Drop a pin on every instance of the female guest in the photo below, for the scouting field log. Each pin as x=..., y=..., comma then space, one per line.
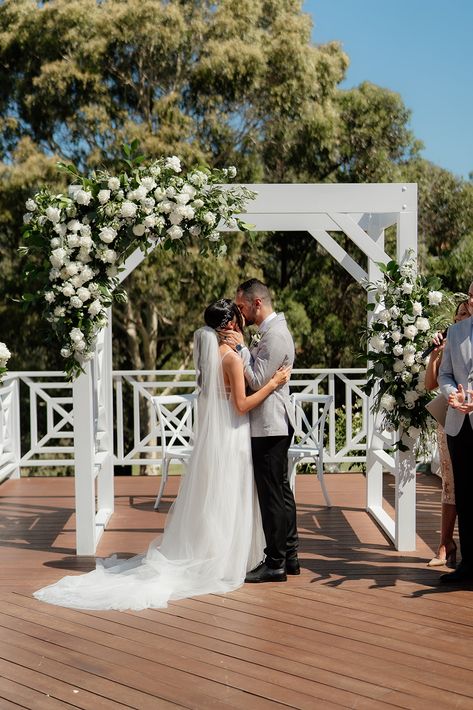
x=447, y=549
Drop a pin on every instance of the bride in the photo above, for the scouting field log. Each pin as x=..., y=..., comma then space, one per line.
x=213, y=532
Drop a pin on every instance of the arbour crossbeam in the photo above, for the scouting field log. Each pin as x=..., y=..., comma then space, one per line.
x=362, y=212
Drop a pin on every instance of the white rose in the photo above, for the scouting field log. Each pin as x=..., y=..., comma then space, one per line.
x=384, y=316
x=198, y=204
x=417, y=308
x=107, y=234
x=214, y=236
x=53, y=214
x=55, y=243
x=76, y=302
x=396, y=336
x=103, y=196
x=174, y=163
x=166, y=206
x=176, y=217
x=49, y=296
x=170, y=191
x=57, y=257
x=416, y=368
x=409, y=359
x=148, y=204
x=31, y=205
x=53, y=274
x=80, y=345
x=377, y=344
x=59, y=311
x=128, y=209
x=66, y=352
x=187, y=211
x=138, y=194
x=83, y=197
x=86, y=243
x=95, y=308
x=73, y=241
x=435, y=298
x=83, y=293
x=182, y=198
x=159, y=194
x=422, y=324
x=76, y=281
x=189, y=189
x=407, y=288
x=406, y=318
x=148, y=183
x=74, y=225
x=110, y=256
x=114, y=183
x=388, y=402
x=198, y=178
x=398, y=350
x=175, y=232
x=398, y=365
x=73, y=190
x=150, y=220
x=410, y=398
x=60, y=229
x=86, y=274
x=76, y=334
x=232, y=171
x=139, y=230
x=410, y=332
x=71, y=269
x=5, y=354
x=406, y=377
x=68, y=290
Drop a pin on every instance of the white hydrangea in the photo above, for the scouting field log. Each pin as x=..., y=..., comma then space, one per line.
x=59, y=311
x=68, y=290
x=49, y=296
x=55, y=243
x=76, y=302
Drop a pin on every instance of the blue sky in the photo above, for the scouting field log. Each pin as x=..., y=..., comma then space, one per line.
x=422, y=49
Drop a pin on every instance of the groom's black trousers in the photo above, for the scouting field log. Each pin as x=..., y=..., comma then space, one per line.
x=278, y=508
x=461, y=454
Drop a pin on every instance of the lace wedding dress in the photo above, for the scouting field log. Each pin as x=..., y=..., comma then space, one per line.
x=213, y=532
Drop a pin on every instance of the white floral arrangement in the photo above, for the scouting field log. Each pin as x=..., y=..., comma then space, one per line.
x=406, y=316
x=82, y=237
x=5, y=355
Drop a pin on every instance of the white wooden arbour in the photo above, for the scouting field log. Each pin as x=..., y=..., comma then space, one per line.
x=362, y=212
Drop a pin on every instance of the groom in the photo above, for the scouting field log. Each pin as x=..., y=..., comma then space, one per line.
x=271, y=429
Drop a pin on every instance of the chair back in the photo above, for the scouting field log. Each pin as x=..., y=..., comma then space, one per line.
x=176, y=418
x=310, y=414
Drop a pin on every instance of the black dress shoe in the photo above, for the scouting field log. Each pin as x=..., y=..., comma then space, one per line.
x=461, y=575
x=263, y=573
x=293, y=566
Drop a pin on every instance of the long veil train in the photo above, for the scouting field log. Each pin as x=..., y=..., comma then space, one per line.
x=213, y=532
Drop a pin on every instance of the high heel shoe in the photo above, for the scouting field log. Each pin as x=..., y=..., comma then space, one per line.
x=450, y=560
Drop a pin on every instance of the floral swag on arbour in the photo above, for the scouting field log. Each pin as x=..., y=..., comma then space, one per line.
x=82, y=238
x=407, y=315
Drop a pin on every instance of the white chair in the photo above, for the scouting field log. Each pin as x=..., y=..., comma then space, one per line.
x=176, y=417
x=310, y=414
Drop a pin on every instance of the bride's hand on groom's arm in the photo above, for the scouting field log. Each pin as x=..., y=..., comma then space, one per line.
x=281, y=376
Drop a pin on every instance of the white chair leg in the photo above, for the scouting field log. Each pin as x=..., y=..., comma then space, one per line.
x=292, y=475
x=164, y=478
x=320, y=476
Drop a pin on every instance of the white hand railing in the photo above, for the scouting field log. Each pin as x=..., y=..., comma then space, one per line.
x=48, y=431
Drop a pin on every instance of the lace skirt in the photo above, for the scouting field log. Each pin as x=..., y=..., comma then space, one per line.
x=448, y=489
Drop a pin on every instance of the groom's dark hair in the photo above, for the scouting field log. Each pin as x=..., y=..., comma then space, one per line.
x=220, y=313
x=254, y=288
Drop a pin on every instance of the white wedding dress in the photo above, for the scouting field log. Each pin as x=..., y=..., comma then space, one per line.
x=213, y=533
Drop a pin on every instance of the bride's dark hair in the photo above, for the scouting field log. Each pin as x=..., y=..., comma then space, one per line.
x=219, y=314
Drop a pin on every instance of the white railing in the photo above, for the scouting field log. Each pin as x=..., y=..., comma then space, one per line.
x=48, y=431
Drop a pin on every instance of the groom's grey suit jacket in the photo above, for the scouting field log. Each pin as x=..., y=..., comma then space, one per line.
x=456, y=368
x=274, y=349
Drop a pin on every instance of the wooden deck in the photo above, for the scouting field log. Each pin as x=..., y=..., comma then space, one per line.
x=363, y=626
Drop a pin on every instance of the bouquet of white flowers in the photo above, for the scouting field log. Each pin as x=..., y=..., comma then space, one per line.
x=4, y=357
x=406, y=316
x=83, y=236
